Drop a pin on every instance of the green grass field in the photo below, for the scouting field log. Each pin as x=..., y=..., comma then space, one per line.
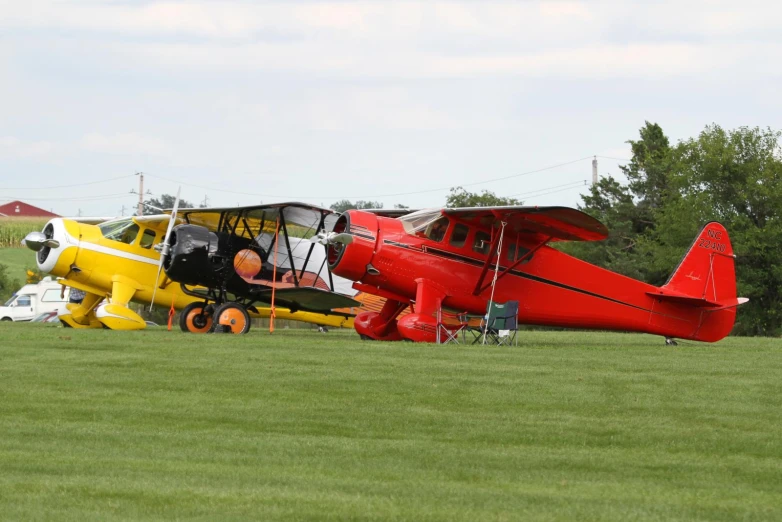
x=17, y=260
x=102, y=425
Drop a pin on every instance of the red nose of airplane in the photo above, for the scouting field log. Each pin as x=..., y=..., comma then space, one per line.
x=351, y=259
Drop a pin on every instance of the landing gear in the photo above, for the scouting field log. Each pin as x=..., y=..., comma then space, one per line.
x=323, y=329
x=196, y=318
x=670, y=342
x=231, y=317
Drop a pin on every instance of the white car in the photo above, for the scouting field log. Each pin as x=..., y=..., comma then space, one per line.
x=32, y=300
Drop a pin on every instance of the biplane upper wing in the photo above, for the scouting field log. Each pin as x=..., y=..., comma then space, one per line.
x=390, y=212
x=300, y=219
x=555, y=223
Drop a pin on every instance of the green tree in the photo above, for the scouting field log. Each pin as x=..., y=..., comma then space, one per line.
x=344, y=204
x=648, y=170
x=459, y=197
x=734, y=177
x=630, y=211
x=7, y=285
x=612, y=203
x=164, y=202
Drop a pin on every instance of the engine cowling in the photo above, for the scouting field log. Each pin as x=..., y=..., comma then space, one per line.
x=194, y=258
x=352, y=261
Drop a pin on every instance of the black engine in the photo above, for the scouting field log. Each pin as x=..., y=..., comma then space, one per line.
x=203, y=258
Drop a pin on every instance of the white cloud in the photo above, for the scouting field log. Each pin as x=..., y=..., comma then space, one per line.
x=128, y=143
x=12, y=147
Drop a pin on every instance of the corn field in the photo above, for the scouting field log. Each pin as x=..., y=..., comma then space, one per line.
x=13, y=229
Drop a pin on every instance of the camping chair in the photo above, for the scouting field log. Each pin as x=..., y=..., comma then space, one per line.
x=500, y=324
x=450, y=326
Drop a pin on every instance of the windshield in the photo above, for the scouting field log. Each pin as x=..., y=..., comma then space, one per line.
x=417, y=222
x=11, y=300
x=123, y=230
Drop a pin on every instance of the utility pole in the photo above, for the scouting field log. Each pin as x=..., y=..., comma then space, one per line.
x=594, y=171
x=140, y=193
x=205, y=202
x=122, y=211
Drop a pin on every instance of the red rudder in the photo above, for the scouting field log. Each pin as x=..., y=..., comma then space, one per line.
x=706, y=279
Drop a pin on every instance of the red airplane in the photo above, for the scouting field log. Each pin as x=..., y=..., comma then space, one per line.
x=448, y=258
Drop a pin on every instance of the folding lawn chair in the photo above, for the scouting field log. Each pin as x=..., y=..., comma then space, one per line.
x=500, y=324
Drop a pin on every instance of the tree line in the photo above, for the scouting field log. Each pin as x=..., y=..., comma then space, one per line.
x=730, y=176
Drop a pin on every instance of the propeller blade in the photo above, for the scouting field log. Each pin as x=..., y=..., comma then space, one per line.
x=318, y=238
x=332, y=238
x=166, y=246
x=35, y=241
x=343, y=238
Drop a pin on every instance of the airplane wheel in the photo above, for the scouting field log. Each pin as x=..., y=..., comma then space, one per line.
x=195, y=319
x=232, y=316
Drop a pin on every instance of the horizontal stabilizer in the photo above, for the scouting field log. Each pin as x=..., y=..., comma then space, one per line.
x=698, y=302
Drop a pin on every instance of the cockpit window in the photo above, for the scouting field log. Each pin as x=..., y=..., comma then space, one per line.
x=418, y=222
x=436, y=231
x=515, y=253
x=481, y=243
x=459, y=235
x=124, y=231
x=147, y=238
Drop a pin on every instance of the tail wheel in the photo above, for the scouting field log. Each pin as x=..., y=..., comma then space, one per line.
x=195, y=319
x=232, y=317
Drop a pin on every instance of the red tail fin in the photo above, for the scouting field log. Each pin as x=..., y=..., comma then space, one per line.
x=706, y=278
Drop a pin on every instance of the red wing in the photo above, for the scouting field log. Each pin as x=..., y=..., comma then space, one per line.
x=560, y=223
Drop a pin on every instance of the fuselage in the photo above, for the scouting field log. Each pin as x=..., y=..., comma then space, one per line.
x=93, y=258
x=90, y=257
x=399, y=260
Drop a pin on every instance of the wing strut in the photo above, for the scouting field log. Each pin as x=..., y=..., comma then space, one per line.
x=288, y=246
x=274, y=274
x=479, y=288
x=309, y=252
x=486, y=265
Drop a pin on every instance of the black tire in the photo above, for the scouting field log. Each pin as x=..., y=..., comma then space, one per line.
x=5, y=319
x=235, y=314
x=195, y=318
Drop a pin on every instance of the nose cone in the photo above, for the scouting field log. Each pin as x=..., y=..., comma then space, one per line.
x=35, y=241
x=55, y=246
x=352, y=244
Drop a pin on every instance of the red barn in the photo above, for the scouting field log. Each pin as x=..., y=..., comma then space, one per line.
x=22, y=209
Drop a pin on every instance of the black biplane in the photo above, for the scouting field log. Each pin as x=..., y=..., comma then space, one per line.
x=243, y=256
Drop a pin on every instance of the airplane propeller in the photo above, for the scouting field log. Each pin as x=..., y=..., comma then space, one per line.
x=332, y=238
x=166, y=246
x=35, y=241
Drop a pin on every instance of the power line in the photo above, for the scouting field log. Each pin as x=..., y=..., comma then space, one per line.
x=67, y=186
x=554, y=192
x=82, y=198
x=321, y=197
x=572, y=184
x=613, y=158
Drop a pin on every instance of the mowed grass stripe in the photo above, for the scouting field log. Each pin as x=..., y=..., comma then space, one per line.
x=302, y=426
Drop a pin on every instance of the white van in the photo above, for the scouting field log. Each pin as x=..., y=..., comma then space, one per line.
x=33, y=300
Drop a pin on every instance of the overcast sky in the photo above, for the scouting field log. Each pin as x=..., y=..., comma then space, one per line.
x=391, y=101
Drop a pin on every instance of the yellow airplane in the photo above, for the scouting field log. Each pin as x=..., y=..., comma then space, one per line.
x=115, y=261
